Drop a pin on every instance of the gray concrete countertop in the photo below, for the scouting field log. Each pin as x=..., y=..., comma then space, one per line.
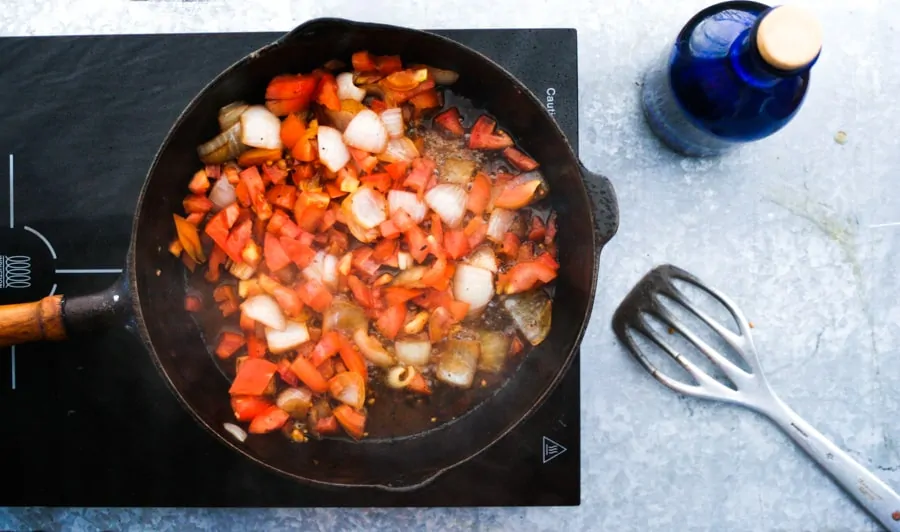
x=803, y=232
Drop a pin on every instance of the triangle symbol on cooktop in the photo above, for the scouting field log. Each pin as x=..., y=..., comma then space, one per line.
x=551, y=449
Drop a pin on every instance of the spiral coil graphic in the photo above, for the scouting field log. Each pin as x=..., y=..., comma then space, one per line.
x=15, y=271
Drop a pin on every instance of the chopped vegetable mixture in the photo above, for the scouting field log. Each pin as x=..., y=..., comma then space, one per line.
x=354, y=228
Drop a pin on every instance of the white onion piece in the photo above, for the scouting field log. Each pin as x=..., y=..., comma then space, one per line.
x=494, y=347
x=367, y=207
x=484, y=257
x=474, y=286
x=231, y=114
x=409, y=202
x=499, y=223
x=235, y=431
x=449, y=201
x=458, y=363
x=264, y=309
x=372, y=349
x=332, y=151
x=393, y=122
x=413, y=352
x=324, y=269
x=399, y=377
x=224, y=147
x=260, y=128
x=404, y=260
x=293, y=335
x=347, y=90
x=401, y=149
x=295, y=401
x=222, y=194
x=366, y=132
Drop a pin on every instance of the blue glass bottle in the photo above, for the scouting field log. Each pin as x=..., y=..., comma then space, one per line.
x=738, y=72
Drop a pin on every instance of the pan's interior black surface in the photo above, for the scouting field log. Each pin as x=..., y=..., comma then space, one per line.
x=84, y=118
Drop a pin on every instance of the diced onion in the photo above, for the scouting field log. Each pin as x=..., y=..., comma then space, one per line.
x=295, y=401
x=494, y=347
x=264, y=309
x=499, y=223
x=411, y=277
x=404, y=260
x=231, y=114
x=458, y=363
x=413, y=352
x=399, y=377
x=260, y=128
x=449, y=201
x=238, y=433
x=323, y=269
x=399, y=150
x=409, y=202
x=367, y=207
x=366, y=132
x=332, y=151
x=222, y=194
x=393, y=121
x=474, y=286
x=344, y=316
x=372, y=349
x=347, y=90
x=224, y=147
x=293, y=335
x=484, y=257
x=242, y=270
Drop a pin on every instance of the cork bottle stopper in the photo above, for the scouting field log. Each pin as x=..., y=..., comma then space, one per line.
x=789, y=37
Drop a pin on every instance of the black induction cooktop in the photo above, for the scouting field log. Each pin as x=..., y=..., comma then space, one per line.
x=90, y=422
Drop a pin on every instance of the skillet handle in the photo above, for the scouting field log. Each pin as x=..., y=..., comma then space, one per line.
x=605, y=204
x=32, y=322
x=58, y=317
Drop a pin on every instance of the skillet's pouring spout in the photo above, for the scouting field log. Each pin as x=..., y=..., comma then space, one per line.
x=749, y=389
x=57, y=317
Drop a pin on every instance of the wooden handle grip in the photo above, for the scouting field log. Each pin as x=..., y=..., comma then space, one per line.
x=32, y=322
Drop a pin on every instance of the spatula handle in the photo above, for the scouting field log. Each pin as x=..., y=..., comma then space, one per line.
x=868, y=490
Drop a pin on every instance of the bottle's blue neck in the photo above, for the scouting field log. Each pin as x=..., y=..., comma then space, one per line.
x=751, y=67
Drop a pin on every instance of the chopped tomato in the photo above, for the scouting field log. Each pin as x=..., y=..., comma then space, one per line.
x=272, y=418
x=417, y=241
x=439, y=324
x=547, y=260
x=418, y=384
x=327, y=347
x=426, y=100
x=483, y=136
x=256, y=346
x=365, y=160
x=524, y=276
x=274, y=175
x=516, y=346
x=237, y=240
x=402, y=220
x=421, y=174
x=458, y=309
x=200, y=182
x=326, y=425
x=292, y=130
x=315, y=295
x=304, y=151
x=283, y=196
x=281, y=224
x=284, y=371
x=391, y=321
x=195, y=218
x=361, y=292
x=363, y=261
x=326, y=93
x=286, y=107
x=352, y=358
x=456, y=243
x=257, y=191
x=538, y=230
x=242, y=194
x=298, y=252
x=517, y=196
x=197, y=203
x=397, y=170
x=398, y=97
x=255, y=156
x=363, y=61
x=433, y=299
x=247, y=407
x=292, y=87
x=253, y=378
x=450, y=121
x=309, y=375
x=275, y=256
x=526, y=251
x=398, y=295
x=479, y=194
x=380, y=181
x=510, y=245
x=349, y=388
x=438, y=275
x=352, y=421
x=389, y=229
x=384, y=250
x=519, y=159
x=193, y=304
x=388, y=64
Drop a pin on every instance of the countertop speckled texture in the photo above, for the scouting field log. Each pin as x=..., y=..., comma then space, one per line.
x=796, y=228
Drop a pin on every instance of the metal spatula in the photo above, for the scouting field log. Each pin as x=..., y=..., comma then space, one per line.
x=750, y=388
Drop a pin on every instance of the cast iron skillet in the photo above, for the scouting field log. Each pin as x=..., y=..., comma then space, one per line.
x=149, y=297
